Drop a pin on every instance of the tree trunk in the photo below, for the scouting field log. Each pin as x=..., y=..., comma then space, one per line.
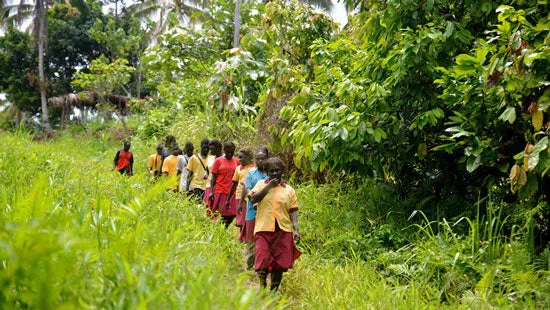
x=237, y=35
x=42, y=84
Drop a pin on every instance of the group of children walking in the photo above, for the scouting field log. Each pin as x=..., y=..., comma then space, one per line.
x=248, y=188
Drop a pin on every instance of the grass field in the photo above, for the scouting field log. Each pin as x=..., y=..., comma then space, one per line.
x=74, y=234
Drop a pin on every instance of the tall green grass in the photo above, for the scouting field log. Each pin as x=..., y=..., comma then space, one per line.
x=74, y=234
x=357, y=258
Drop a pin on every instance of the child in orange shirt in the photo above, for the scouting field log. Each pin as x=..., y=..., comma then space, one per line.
x=169, y=167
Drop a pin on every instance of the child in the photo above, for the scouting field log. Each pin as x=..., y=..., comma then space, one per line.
x=198, y=173
x=154, y=164
x=169, y=167
x=222, y=178
x=215, y=152
x=182, y=166
x=239, y=177
x=124, y=160
x=276, y=220
x=252, y=178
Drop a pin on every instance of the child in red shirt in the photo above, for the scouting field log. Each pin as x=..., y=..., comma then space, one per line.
x=124, y=160
x=222, y=179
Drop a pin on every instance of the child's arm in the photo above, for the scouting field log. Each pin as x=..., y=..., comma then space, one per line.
x=212, y=186
x=131, y=164
x=116, y=160
x=242, y=204
x=231, y=192
x=294, y=218
x=259, y=196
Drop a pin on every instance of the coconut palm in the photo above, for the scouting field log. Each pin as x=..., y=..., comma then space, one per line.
x=160, y=9
x=41, y=37
x=14, y=13
x=19, y=12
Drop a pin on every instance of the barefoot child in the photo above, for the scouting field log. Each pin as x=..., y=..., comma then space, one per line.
x=276, y=220
x=252, y=177
x=222, y=178
x=239, y=177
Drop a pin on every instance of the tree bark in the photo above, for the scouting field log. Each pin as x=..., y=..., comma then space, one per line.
x=237, y=34
x=42, y=15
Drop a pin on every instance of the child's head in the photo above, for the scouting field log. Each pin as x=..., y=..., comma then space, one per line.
x=245, y=156
x=205, y=146
x=175, y=150
x=189, y=148
x=229, y=149
x=215, y=147
x=126, y=145
x=170, y=140
x=274, y=167
x=261, y=155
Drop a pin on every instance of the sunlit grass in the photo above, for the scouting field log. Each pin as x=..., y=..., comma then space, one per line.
x=75, y=234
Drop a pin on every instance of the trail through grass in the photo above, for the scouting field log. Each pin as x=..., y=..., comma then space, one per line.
x=74, y=234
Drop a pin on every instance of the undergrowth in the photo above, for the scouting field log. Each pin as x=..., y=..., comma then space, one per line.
x=75, y=234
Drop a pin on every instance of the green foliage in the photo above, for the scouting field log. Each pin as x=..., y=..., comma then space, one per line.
x=18, y=76
x=503, y=83
x=75, y=234
x=236, y=81
x=105, y=77
x=156, y=124
x=69, y=45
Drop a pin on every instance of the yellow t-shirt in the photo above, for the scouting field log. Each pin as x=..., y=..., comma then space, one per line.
x=210, y=162
x=240, y=177
x=276, y=205
x=170, y=166
x=155, y=163
x=196, y=167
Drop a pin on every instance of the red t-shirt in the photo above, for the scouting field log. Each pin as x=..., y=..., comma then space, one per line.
x=123, y=159
x=224, y=169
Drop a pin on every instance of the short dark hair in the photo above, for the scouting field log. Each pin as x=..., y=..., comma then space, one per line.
x=274, y=162
x=216, y=143
x=170, y=139
x=205, y=142
x=263, y=150
x=229, y=144
x=247, y=153
x=189, y=146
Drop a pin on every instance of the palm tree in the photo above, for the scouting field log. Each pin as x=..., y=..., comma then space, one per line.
x=14, y=14
x=41, y=37
x=160, y=9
